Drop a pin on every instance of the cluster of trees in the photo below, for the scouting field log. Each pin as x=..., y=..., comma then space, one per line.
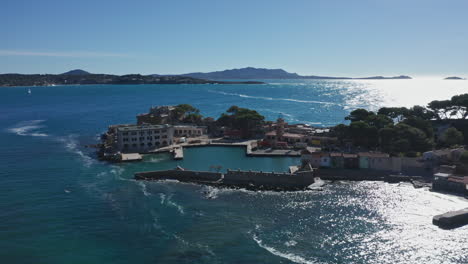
x=456, y=107
x=188, y=114
x=248, y=121
x=401, y=130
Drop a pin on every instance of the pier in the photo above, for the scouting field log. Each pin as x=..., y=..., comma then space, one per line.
x=451, y=220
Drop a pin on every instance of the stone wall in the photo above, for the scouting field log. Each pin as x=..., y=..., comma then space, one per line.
x=269, y=180
x=181, y=175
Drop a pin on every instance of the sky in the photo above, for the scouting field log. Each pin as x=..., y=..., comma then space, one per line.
x=310, y=37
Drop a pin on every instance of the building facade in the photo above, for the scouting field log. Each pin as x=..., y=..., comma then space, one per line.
x=143, y=138
x=189, y=131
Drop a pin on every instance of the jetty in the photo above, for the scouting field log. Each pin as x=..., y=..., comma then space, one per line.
x=252, y=180
x=451, y=220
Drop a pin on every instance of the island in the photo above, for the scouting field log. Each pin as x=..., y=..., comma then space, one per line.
x=80, y=77
x=454, y=78
x=261, y=73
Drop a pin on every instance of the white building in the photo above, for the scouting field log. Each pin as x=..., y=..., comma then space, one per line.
x=143, y=138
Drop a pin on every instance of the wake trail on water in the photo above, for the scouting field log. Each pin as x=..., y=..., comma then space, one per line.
x=273, y=99
x=28, y=128
x=288, y=256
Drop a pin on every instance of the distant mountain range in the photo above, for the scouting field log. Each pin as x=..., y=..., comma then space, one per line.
x=79, y=77
x=259, y=73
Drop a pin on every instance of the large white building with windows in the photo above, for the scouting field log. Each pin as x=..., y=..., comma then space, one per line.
x=143, y=138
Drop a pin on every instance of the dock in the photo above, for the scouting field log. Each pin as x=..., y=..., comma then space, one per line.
x=451, y=220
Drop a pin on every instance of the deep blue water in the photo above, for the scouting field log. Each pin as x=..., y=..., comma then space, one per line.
x=60, y=205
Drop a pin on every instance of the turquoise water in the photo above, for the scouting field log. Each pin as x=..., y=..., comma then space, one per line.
x=60, y=205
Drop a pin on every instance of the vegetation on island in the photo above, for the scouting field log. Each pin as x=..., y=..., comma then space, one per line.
x=77, y=77
x=407, y=131
x=247, y=121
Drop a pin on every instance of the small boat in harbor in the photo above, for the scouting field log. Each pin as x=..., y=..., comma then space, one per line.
x=29, y=91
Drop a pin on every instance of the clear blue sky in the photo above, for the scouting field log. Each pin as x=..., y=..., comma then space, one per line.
x=324, y=37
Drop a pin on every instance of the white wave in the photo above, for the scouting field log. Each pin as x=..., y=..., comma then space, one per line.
x=72, y=145
x=163, y=197
x=274, y=99
x=174, y=204
x=290, y=243
x=143, y=188
x=28, y=128
x=289, y=256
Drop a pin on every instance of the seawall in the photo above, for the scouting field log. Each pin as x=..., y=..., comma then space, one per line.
x=254, y=180
x=452, y=219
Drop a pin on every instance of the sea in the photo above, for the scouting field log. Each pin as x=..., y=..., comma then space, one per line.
x=59, y=204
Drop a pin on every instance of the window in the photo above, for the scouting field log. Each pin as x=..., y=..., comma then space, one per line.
x=164, y=136
x=142, y=144
x=150, y=144
x=134, y=145
x=149, y=138
x=125, y=133
x=142, y=138
x=134, y=139
x=125, y=146
x=156, y=137
x=150, y=132
x=164, y=130
x=134, y=133
x=156, y=131
x=125, y=140
x=142, y=133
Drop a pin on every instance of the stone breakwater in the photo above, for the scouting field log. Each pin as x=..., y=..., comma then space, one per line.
x=253, y=180
x=452, y=219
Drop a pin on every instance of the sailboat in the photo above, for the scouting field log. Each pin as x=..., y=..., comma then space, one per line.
x=29, y=91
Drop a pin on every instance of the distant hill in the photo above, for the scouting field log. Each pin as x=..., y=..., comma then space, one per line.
x=78, y=79
x=261, y=73
x=76, y=72
x=454, y=78
x=245, y=73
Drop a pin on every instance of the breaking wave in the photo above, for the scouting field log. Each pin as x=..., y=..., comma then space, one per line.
x=28, y=128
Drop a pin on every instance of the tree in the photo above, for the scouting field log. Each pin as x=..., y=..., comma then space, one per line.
x=441, y=109
x=359, y=115
x=363, y=135
x=378, y=121
x=420, y=112
x=460, y=105
x=247, y=120
x=452, y=137
x=422, y=124
x=183, y=110
x=395, y=113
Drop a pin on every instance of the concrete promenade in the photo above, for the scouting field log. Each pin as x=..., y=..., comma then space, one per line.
x=177, y=149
